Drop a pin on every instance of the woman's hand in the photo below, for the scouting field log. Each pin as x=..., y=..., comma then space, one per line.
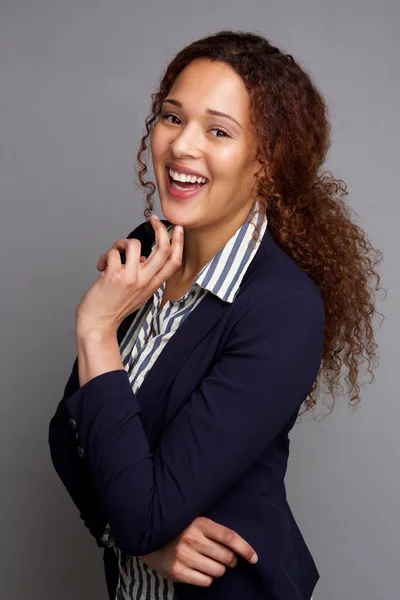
x=200, y=553
x=122, y=289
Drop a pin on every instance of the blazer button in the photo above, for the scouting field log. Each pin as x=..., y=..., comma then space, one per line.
x=81, y=451
x=73, y=423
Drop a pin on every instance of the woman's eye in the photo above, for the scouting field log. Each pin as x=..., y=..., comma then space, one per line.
x=226, y=134
x=222, y=130
x=169, y=115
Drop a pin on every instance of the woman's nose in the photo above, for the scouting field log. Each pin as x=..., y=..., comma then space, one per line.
x=187, y=142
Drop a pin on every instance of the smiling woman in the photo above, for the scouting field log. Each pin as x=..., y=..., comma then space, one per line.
x=198, y=346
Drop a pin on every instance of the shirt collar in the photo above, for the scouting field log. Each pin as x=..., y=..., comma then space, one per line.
x=223, y=274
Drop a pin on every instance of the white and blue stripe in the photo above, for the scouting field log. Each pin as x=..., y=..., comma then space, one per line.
x=143, y=343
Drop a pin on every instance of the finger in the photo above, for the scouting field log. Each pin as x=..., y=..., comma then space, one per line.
x=119, y=245
x=185, y=574
x=132, y=255
x=174, y=261
x=113, y=260
x=177, y=245
x=228, y=537
x=160, y=254
x=192, y=558
x=216, y=551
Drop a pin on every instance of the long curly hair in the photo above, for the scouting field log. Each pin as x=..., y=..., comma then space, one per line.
x=307, y=214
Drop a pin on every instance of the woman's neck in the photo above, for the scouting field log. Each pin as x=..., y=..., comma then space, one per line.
x=201, y=245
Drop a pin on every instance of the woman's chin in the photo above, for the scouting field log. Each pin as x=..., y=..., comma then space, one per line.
x=178, y=215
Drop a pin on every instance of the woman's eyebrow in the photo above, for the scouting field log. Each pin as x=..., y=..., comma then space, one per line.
x=209, y=111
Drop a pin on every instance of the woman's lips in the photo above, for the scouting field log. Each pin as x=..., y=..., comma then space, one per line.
x=181, y=194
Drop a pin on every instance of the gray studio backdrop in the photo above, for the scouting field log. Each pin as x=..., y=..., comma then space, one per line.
x=76, y=80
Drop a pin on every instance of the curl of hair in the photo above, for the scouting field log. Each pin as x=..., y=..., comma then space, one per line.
x=307, y=214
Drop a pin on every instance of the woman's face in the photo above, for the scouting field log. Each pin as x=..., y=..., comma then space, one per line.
x=214, y=146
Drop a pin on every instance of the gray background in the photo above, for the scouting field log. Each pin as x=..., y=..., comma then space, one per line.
x=76, y=79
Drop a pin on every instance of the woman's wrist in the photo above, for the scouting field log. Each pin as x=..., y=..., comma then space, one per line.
x=98, y=353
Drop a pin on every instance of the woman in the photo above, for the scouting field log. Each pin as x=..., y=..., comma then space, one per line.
x=206, y=332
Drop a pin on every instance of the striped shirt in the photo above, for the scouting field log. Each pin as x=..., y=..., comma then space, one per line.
x=143, y=343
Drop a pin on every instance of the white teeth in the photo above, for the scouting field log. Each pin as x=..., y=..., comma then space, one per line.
x=186, y=178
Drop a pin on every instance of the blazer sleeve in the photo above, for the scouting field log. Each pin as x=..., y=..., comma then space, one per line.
x=69, y=466
x=262, y=376
x=62, y=438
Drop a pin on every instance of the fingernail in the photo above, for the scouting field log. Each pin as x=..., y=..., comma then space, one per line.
x=254, y=558
x=179, y=228
x=155, y=216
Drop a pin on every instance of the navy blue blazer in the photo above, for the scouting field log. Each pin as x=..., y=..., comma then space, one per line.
x=207, y=432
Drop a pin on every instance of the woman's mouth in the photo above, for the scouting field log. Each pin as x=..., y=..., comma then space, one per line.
x=180, y=189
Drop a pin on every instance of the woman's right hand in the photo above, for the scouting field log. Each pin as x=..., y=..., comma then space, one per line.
x=123, y=288
x=200, y=553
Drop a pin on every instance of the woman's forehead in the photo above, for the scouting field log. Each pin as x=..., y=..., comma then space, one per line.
x=205, y=85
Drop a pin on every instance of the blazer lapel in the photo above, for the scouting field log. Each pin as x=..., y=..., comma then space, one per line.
x=195, y=327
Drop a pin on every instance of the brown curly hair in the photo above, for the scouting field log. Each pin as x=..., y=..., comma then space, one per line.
x=307, y=215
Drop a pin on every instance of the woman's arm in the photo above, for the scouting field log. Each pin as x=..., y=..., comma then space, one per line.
x=70, y=467
x=264, y=373
x=197, y=555
x=63, y=441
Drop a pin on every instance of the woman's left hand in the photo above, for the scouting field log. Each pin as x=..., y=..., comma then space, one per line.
x=122, y=289
x=200, y=553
